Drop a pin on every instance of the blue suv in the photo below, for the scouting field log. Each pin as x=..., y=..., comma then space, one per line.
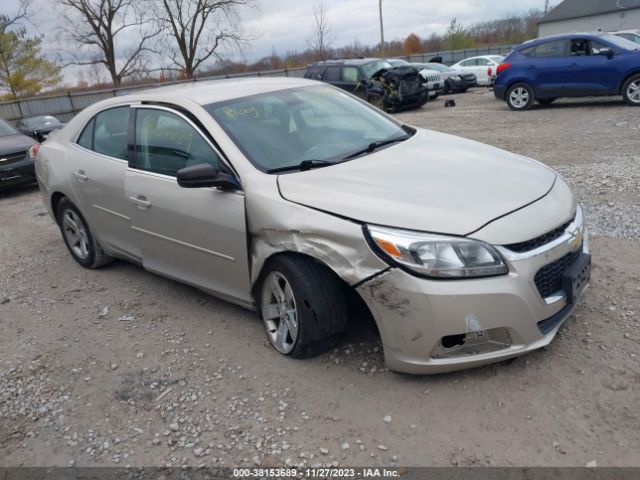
x=572, y=65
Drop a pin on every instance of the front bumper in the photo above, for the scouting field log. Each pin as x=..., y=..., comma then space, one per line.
x=18, y=173
x=499, y=318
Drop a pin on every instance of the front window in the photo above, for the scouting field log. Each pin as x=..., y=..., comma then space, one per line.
x=371, y=68
x=166, y=143
x=6, y=129
x=315, y=124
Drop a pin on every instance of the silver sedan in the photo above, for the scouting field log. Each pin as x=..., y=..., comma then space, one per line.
x=298, y=200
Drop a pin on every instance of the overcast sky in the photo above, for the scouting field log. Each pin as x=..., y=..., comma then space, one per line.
x=285, y=24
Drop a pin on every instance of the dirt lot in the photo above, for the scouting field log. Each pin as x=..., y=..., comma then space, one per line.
x=120, y=366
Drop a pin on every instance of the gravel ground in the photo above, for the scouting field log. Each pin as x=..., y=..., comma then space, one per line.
x=122, y=367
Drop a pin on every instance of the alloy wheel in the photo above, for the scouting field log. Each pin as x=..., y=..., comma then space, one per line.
x=633, y=91
x=279, y=312
x=519, y=97
x=75, y=234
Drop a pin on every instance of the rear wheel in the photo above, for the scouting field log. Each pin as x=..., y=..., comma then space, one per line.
x=520, y=97
x=545, y=101
x=631, y=91
x=77, y=236
x=303, y=306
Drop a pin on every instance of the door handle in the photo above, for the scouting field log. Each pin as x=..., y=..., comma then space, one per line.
x=141, y=201
x=80, y=176
x=531, y=67
x=573, y=65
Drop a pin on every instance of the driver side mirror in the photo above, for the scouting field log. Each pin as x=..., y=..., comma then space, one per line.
x=205, y=175
x=607, y=52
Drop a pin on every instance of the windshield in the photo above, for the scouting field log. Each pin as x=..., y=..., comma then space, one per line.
x=397, y=62
x=497, y=58
x=285, y=128
x=6, y=129
x=632, y=37
x=373, y=67
x=620, y=42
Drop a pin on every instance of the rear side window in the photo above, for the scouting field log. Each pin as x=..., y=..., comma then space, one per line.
x=333, y=74
x=350, y=74
x=166, y=143
x=111, y=132
x=86, y=138
x=469, y=63
x=556, y=48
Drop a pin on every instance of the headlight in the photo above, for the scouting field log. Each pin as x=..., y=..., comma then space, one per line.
x=437, y=256
x=455, y=78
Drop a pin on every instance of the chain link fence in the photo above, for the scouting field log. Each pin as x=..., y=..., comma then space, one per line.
x=66, y=106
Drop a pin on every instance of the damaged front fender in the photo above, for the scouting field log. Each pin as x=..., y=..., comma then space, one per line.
x=279, y=226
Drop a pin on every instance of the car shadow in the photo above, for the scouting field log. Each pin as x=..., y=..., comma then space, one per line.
x=17, y=191
x=577, y=104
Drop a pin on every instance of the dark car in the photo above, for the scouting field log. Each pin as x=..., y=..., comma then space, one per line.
x=571, y=65
x=16, y=166
x=374, y=80
x=455, y=81
x=39, y=127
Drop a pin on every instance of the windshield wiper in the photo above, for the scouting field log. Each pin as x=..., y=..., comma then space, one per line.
x=302, y=166
x=372, y=147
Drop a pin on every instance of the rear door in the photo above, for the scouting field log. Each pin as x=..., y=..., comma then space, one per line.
x=197, y=236
x=97, y=163
x=546, y=66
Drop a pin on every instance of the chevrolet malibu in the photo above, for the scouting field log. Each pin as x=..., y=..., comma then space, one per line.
x=299, y=201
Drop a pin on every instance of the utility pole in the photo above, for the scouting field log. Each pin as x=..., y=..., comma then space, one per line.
x=381, y=29
x=546, y=6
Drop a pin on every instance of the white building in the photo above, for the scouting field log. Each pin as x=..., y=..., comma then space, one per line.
x=590, y=16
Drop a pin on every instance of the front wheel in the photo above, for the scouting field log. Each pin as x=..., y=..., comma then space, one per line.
x=376, y=101
x=303, y=306
x=78, y=238
x=520, y=97
x=631, y=91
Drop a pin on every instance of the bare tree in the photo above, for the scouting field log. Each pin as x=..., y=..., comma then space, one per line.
x=198, y=30
x=321, y=40
x=114, y=33
x=14, y=22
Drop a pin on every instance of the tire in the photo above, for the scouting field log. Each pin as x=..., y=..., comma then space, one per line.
x=631, y=91
x=376, y=101
x=520, y=97
x=77, y=236
x=545, y=101
x=320, y=311
x=446, y=89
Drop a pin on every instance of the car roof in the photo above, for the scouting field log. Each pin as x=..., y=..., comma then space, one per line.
x=562, y=36
x=213, y=91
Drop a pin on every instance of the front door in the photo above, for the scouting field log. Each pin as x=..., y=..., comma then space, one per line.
x=590, y=72
x=197, y=236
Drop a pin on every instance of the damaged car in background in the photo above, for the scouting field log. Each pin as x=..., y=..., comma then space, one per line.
x=304, y=203
x=376, y=81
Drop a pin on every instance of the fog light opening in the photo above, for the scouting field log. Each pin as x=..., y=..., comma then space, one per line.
x=453, y=341
x=473, y=343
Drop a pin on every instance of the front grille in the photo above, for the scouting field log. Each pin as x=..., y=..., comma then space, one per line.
x=12, y=158
x=541, y=240
x=549, y=278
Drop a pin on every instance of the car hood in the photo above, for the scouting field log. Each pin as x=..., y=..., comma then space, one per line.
x=432, y=182
x=15, y=143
